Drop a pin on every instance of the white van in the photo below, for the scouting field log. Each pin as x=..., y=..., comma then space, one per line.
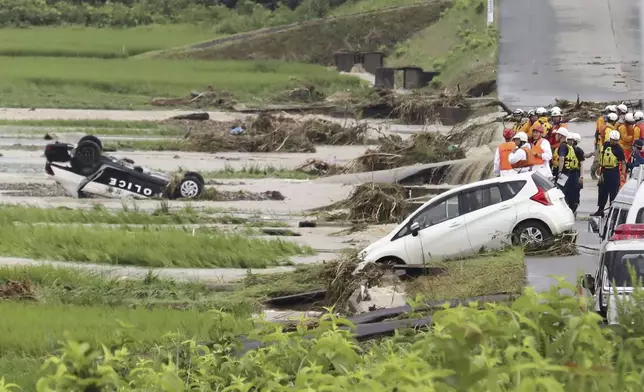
x=628, y=207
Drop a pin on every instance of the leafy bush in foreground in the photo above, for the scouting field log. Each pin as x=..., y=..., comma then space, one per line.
x=541, y=342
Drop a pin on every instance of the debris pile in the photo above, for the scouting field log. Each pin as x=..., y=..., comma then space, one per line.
x=241, y=195
x=560, y=245
x=205, y=99
x=375, y=203
x=317, y=167
x=13, y=289
x=266, y=133
x=393, y=152
x=587, y=111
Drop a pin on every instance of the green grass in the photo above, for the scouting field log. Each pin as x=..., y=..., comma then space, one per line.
x=502, y=272
x=466, y=54
x=132, y=83
x=80, y=41
x=99, y=214
x=257, y=172
x=145, y=246
x=353, y=7
x=110, y=124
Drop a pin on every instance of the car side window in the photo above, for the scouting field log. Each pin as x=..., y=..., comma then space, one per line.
x=511, y=188
x=612, y=222
x=480, y=198
x=640, y=216
x=621, y=218
x=443, y=211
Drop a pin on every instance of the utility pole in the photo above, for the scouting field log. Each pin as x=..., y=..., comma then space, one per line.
x=490, y=12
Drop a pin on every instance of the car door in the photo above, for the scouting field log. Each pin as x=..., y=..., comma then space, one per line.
x=442, y=232
x=489, y=218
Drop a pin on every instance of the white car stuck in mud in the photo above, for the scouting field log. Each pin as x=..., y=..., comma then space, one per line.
x=82, y=170
x=526, y=209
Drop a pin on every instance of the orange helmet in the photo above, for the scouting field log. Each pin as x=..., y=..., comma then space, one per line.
x=508, y=134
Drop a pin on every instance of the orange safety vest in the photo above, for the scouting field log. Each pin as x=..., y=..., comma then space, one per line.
x=601, y=128
x=626, y=132
x=536, y=147
x=637, y=131
x=525, y=162
x=504, y=153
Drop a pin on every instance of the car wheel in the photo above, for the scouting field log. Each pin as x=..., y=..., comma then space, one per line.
x=197, y=175
x=190, y=187
x=92, y=138
x=87, y=157
x=531, y=233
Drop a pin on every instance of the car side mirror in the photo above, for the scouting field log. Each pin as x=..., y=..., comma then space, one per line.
x=594, y=223
x=415, y=228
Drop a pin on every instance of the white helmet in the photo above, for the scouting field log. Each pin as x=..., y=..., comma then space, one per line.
x=531, y=113
x=554, y=108
x=541, y=111
x=614, y=135
x=555, y=112
x=612, y=116
x=521, y=136
x=629, y=118
x=518, y=112
x=623, y=109
x=576, y=137
x=638, y=116
x=562, y=131
x=611, y=109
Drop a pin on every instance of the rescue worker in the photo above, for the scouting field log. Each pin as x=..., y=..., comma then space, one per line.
x=561, y=135
x=556, y=116
x=567, y=177
x=611, y=155
x=502, y=166
x=542, y=114
x=518, y=116
x=622, y=109
x=610, y=124
x=541, y=152
x=527, y=127
x=521, y=157
x=600, y=135
x=581, y=156
x=626, y=138
x=639, y=125
x=637, y=157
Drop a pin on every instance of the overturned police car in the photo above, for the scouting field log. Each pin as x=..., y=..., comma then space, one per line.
x=83, y=171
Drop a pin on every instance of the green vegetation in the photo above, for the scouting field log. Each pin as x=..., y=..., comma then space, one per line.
x=317, y=40
x=541, y=341
x=112, y=84
x=77, y=41
x=258, y=172
x=499, y=273
x=466, y=54
x=357, y=6
x=147, y=246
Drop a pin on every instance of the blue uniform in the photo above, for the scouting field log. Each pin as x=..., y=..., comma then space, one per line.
x=571, y=189
x=610, y=181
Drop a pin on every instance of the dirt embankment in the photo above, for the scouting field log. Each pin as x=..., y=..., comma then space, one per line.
x=316, y=41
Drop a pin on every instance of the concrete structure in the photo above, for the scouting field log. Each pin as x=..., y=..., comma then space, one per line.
x=413, y=77
x=344, y=61
x=371, y=61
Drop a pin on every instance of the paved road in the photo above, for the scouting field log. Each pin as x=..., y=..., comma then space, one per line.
x=558, y=48
x=539, y=269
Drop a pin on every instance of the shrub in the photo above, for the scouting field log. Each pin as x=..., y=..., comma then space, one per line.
x=539, y=342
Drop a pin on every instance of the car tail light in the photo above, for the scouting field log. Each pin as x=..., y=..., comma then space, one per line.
x=48, y=169
x=541, y=197
x=628, y=232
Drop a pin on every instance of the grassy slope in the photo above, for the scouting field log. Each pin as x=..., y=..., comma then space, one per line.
x=466, y=53
x=80, y=41
x=316, y=41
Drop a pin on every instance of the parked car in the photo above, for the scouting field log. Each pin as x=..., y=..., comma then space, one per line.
x=612, y=282
x=526, y=209
x=84, y=170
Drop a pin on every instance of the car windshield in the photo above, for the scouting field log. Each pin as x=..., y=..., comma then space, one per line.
x=618, y=263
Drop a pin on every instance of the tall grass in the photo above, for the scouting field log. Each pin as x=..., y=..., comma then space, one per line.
x=32, y=329
x=80, y=41
x=131, y=83
x=147, y=246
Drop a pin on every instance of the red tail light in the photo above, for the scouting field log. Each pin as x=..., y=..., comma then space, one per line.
x=541, y=197
x=628, y=232
x=48, y=169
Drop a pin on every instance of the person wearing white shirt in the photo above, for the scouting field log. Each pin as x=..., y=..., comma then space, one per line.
x=541, y=152
x=521, y=157
x=502, y=166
